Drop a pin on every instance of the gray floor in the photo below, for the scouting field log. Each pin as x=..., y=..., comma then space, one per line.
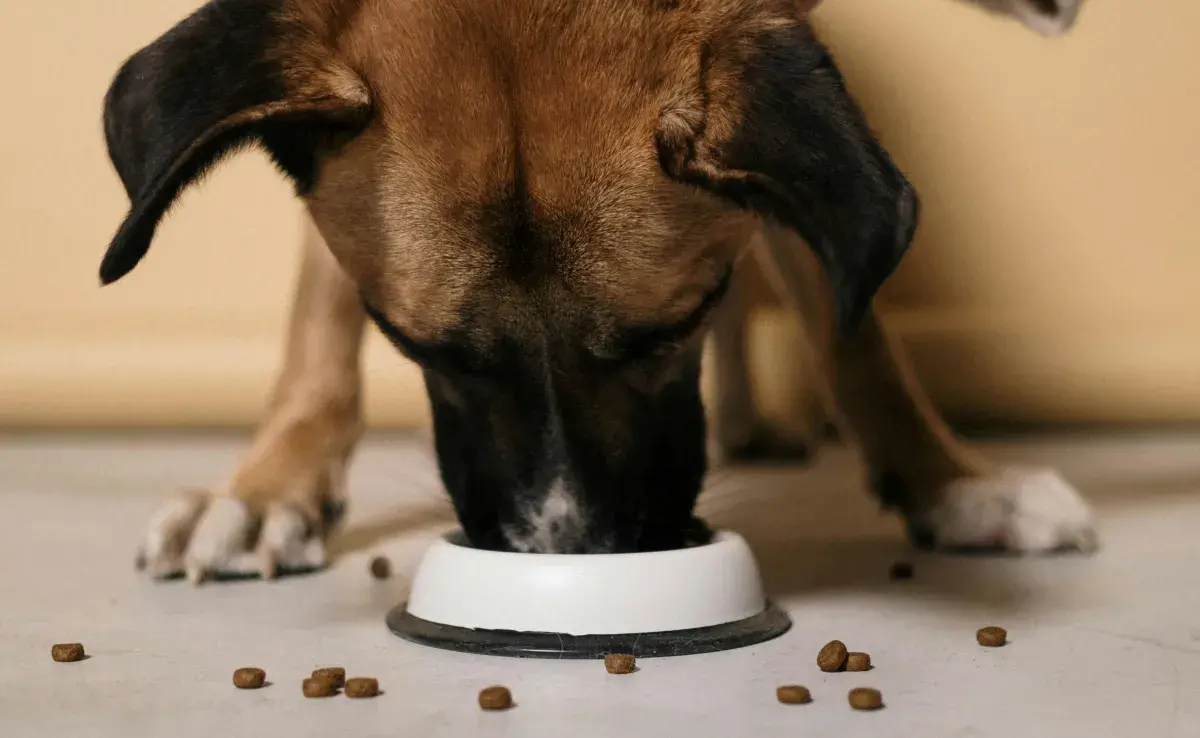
x=1101, y=646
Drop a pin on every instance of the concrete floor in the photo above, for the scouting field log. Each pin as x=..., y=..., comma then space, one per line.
x=1100, y=646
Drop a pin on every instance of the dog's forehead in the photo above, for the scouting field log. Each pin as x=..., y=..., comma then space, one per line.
x=524, y=157
x=486, y=235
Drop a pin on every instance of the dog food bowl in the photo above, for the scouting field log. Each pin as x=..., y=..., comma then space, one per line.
x=700, y=599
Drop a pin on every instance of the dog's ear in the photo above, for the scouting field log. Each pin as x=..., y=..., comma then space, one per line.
x=772, y=128
x=235, y=72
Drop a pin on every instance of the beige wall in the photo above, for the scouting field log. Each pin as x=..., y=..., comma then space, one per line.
x=1057, y=274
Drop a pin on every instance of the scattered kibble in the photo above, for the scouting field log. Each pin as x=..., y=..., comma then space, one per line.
x=793, y=694
x=865, y=698
x=832, y=657
x=620, y=663
x=360, y=688
x=991, y=636
x=67, y=652
x=858, y=661
x=335, y=674
x=901, y=570
x=249, y=677
x=381, y=567
x=495, y=698
x=314, y=687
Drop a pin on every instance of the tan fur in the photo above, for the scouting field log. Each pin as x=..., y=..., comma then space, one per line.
x=439, y=153
x=466, y=96
x=314, y=417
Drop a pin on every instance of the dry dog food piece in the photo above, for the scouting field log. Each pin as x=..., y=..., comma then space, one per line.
x=858, y=661
x=793, y=694
x=832, y=656
x=362, y=687
x=495, y=698
x=865, y=698
x=620, y=663
x=991, y=636
x=335, y=674
x=67, y=652
x=249, y=678
x=318, y=687
x=901, y=570
x=381, y=568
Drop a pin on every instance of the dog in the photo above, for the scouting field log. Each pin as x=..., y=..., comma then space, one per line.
x=545, y=205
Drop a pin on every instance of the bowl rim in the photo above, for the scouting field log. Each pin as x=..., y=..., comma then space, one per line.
x=456, y=538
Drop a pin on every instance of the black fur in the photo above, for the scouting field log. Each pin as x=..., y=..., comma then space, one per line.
x=893, y=495
x=503, y=442
x=164, y=114
x=805, y=157
x=512, y=420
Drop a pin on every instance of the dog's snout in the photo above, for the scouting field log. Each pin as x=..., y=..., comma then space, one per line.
x=554, y=519
x=566, y=460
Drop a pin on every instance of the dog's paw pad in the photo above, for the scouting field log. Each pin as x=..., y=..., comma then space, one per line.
x=1017, y=511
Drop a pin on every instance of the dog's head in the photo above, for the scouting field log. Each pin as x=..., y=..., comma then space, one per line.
x=542, y=203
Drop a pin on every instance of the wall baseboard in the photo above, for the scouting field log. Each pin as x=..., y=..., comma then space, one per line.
x=976, y=369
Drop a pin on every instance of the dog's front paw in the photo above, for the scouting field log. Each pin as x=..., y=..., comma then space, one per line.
x=1018, y=511
x=204, y=536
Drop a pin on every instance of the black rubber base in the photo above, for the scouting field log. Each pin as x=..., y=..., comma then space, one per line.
x=770, y=623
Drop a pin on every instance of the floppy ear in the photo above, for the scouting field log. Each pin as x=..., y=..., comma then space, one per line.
x=235, y=72
x=773, y=129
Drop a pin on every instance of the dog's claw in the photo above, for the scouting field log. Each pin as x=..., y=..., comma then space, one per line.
x=267, y=565
x=196, y=575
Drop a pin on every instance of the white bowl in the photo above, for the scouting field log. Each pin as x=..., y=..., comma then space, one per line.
x=459, y=591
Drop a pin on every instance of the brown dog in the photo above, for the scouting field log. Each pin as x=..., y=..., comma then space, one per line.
x=543, y=203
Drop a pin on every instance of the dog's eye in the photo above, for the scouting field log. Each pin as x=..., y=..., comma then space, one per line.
x=638, y=343
x=448, y=357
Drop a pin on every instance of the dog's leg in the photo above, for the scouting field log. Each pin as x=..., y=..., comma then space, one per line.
x=287, y=491
x=742, y=433
x=950, y=496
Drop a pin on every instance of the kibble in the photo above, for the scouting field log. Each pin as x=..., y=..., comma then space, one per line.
x=991, y=636
x=381, y=568
x=620, y=663
x=793, y=694
x=360, y=688
x=335, y=674
x=858, y=661
x=495, y=698
x=249, y=677
x=865, y=698
x=314, y=687
x=901, y=570
x=67, y=652
x=832, y=657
